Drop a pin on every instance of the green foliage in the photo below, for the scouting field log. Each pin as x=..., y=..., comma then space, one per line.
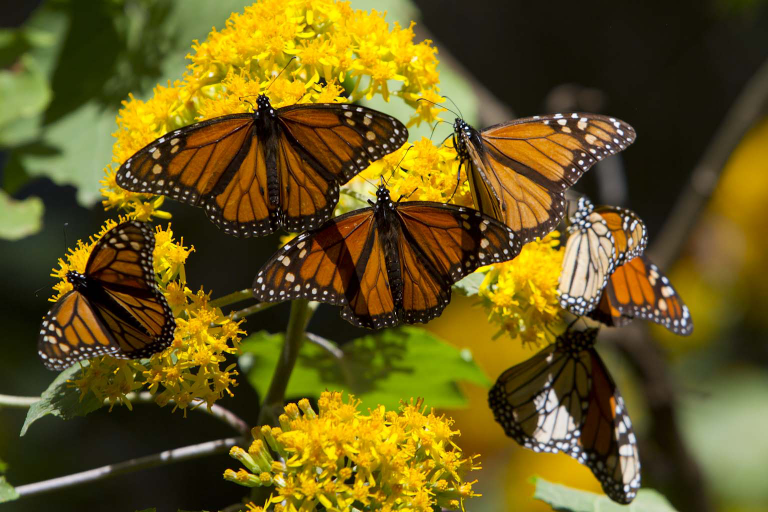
x=19, y=218
x=379, y=369
x=470, y=285
x=61, y=400
x=724, y=421
x=7, y=492
x=88, y=57
x=568, y=499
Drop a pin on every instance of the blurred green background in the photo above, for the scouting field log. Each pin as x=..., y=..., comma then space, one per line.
x=672, y=70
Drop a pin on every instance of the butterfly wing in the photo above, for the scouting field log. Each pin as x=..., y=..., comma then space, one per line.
x=323, y=146
x=526, y=165
x=607, y=442
x=71, y=332
x=341, y=263
x=629, y=233
x=438, y=244
x=540, y=402
x=563, y=399
x=587, y=263
x=639, y=289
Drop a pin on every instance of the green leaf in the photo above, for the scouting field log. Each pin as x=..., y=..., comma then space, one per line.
x=561, y=497
x=384, y=368
x=24, y=93
x=19, y=218
x=61, y=400
x=74, y=150
x=7, y=492
x=470, y=285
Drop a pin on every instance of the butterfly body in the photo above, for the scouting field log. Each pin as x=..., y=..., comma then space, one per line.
x=518, y=171
x=275, y=168
x=390, y=263
x=564, y=400
x=114, y=307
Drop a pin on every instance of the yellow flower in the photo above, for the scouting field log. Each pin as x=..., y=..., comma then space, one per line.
x=383, y=460
x=521, y=295
x=339, y=55
x=188, y=372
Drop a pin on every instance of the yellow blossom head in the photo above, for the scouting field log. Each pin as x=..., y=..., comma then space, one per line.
x=339, y=456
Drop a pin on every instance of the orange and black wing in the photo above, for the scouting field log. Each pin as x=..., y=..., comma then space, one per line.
x=519, y=170
x=629, y=233
x=218, y=165
x=639, y=289
x=588, y=261
x=120, y=312
x=323, y=146
x=71, y=332
x=342, y=263
x=563, y=399
x=438, y=244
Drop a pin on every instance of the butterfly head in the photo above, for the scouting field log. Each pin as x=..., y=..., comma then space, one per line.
x=76, y=278
x=461, y=133
x=383, y=198
x=264, y=106
x=577, y=341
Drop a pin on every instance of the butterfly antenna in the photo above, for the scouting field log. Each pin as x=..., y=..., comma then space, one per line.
x=455, y=105
x=394, y=169
x=64, y=229
x=439, y=105
x=280, y=73
x=39, y=290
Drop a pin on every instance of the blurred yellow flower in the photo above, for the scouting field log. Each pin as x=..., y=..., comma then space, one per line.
x=189, y=372
x=339, y=457
x=521, y=295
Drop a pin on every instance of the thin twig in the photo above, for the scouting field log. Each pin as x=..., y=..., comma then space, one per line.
x=232, y=298
x=17, y=402
x=301, y=312
x=250, y=310
x=150, y=461
x=214, y=410
x=749, y=107
x=337, y=354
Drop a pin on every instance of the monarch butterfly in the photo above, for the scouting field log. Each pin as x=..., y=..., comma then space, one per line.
x=275, y=168
x=390, y=263
x=564, y=399
x=115, y=307
x=601, y=239
x=518, y=171
x=639, y=289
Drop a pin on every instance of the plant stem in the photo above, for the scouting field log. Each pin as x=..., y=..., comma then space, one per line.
x=301, y=312
x=237, y=296
x=17, y=402
x=256, y=308
x=150, y=461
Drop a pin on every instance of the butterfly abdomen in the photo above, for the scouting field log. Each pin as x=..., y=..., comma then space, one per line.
x=386, y=221
x=267, y=129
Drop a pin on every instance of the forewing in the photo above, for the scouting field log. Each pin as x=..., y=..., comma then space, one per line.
x=72, y=332
x=342, y=139
x=629, y=233
x=123, y=257
x=587, y=264
x=541, y=402
x=187, y=164
x=439, y=244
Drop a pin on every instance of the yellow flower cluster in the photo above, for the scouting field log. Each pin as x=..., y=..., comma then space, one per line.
x=521, y=295
x=339, y=55
x=422, y=172
x=339, y=457
x=188, y=372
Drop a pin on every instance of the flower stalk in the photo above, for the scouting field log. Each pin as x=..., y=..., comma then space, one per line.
x=301, y=312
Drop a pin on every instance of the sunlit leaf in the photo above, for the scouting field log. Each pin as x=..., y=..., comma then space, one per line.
x=7, y=492
x=61, y=400
x=470, y=285
x=561, y=497
x=384, y=368
x=24, y=93
x=19, y=218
